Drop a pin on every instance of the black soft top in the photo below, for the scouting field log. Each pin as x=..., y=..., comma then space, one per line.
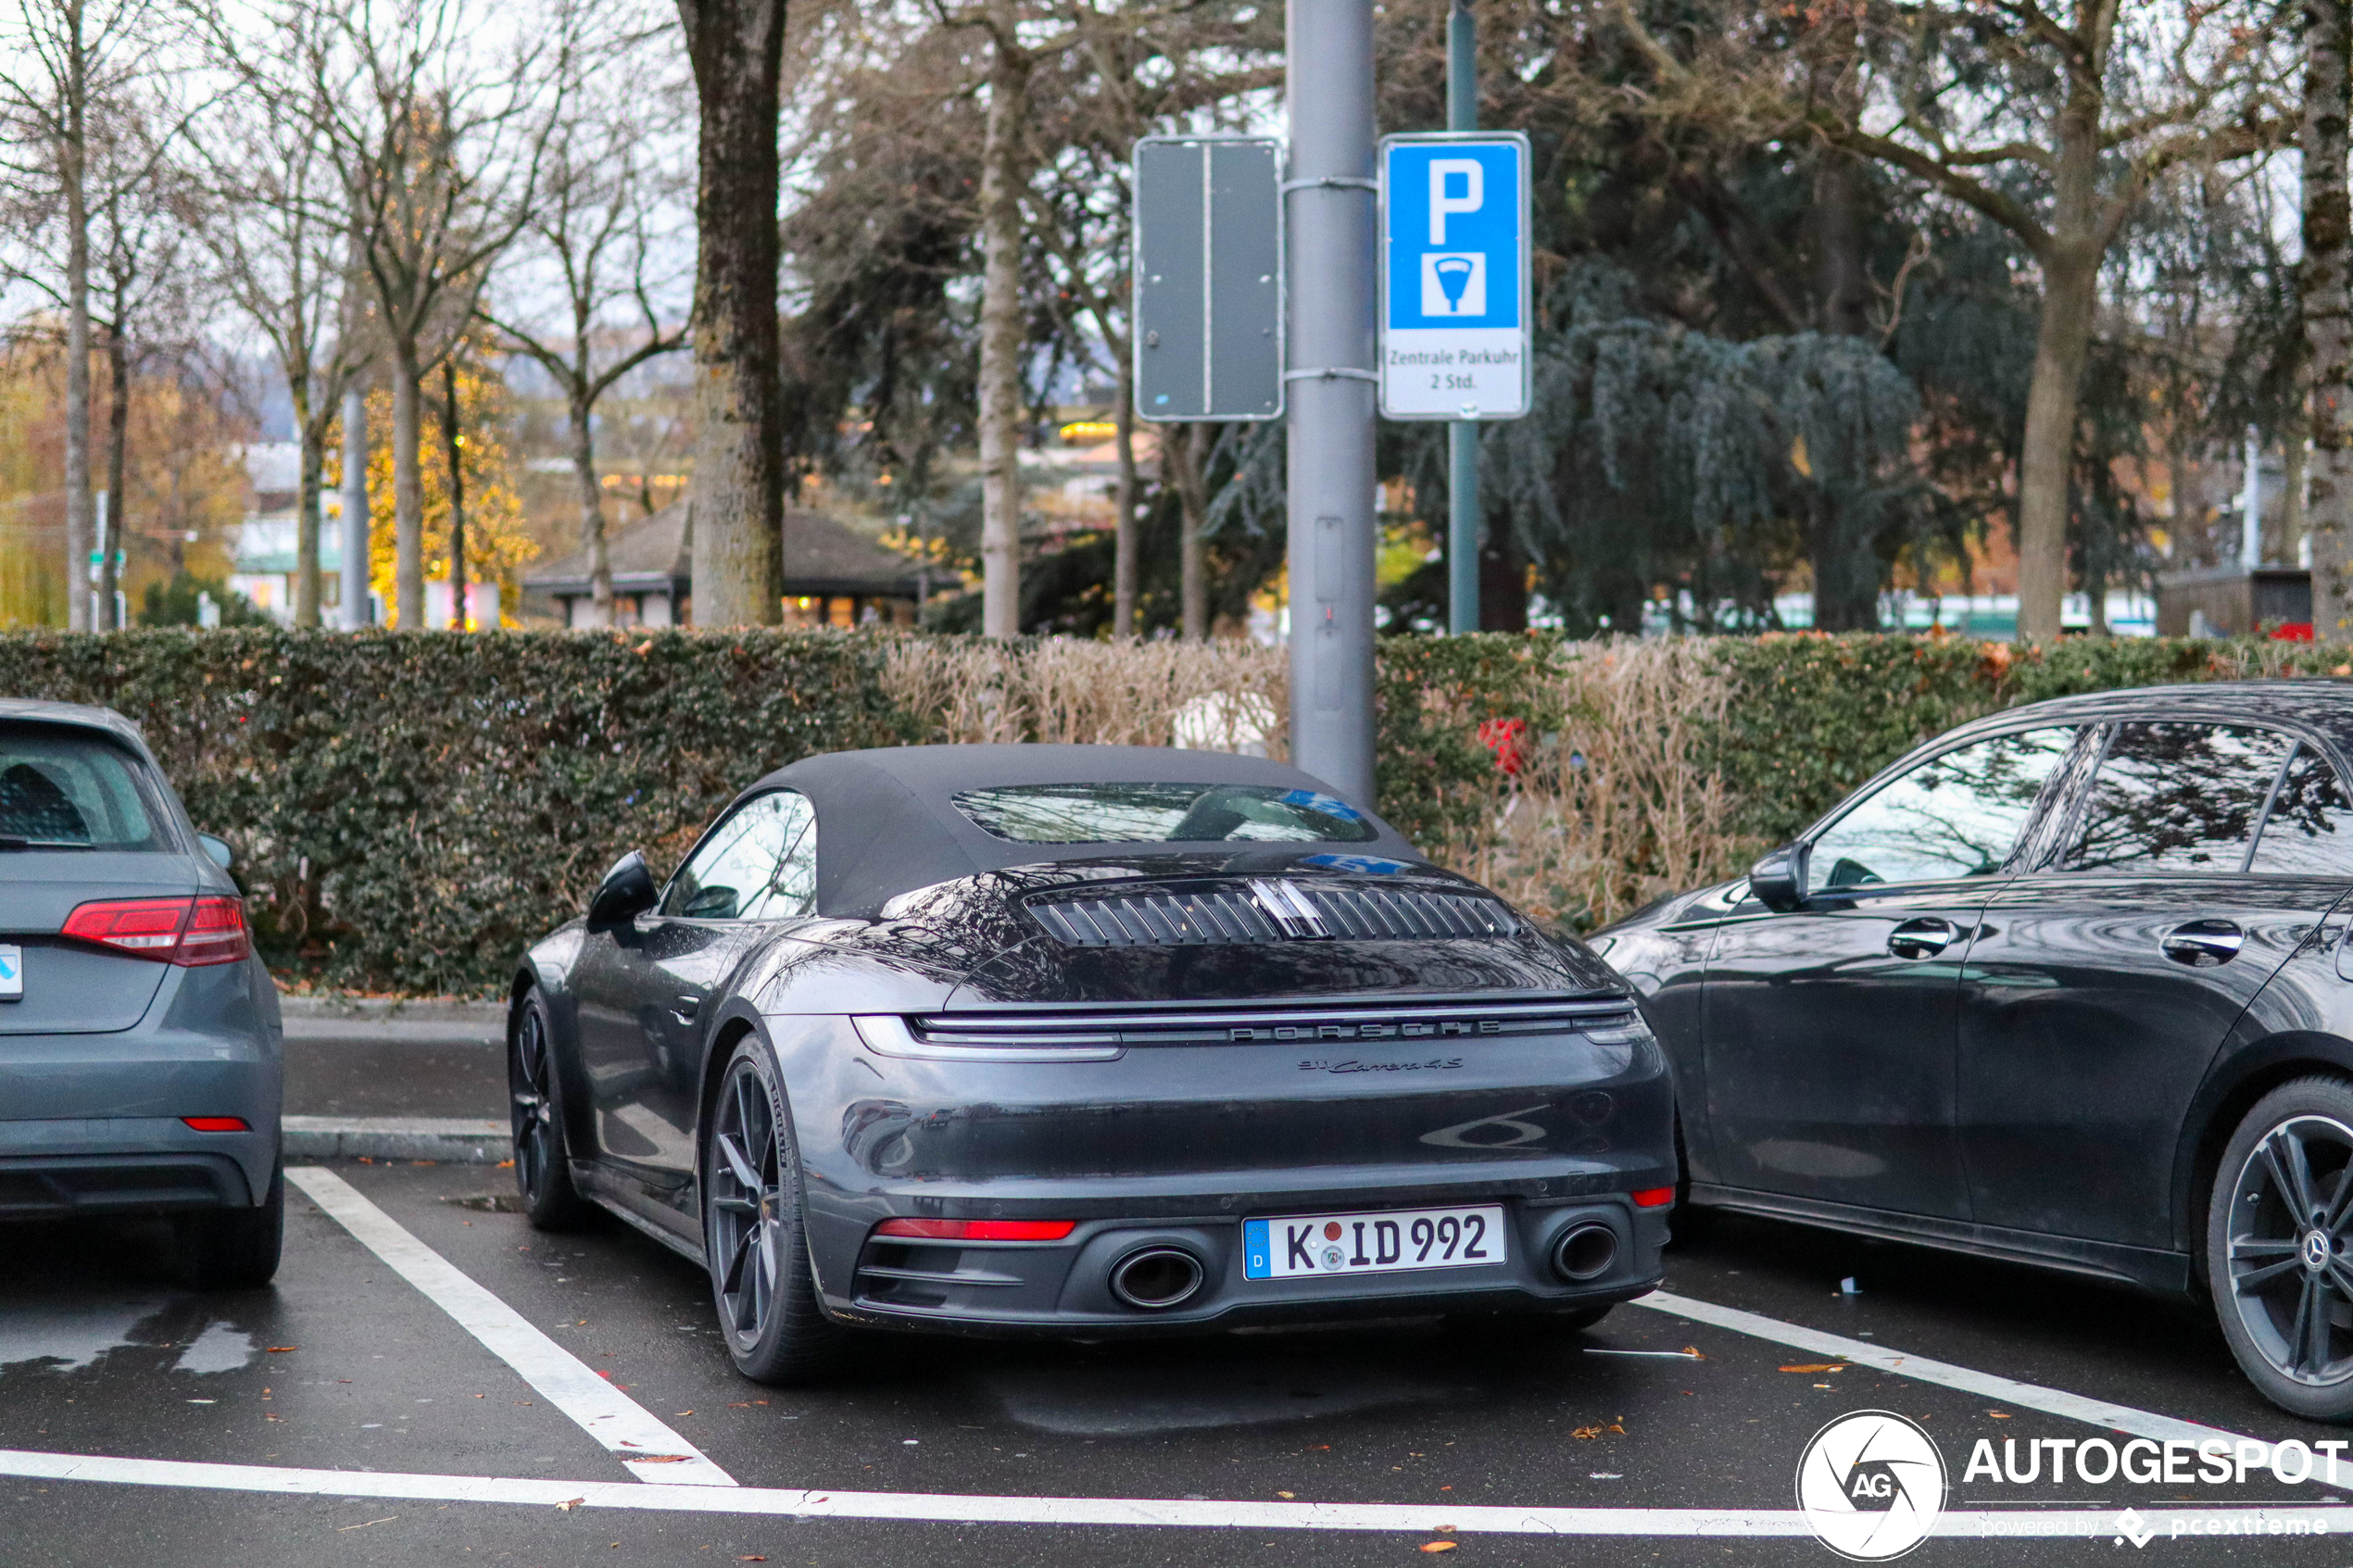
x=887, y=824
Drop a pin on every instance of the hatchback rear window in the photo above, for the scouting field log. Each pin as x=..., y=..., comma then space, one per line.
x=1164, y=813
x=65, y=788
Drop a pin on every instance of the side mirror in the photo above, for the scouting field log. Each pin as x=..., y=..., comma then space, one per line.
x=217, y=850
x=628, y=889
x=1778, y=880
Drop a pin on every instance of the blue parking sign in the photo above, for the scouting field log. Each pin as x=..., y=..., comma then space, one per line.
x=1454, y=288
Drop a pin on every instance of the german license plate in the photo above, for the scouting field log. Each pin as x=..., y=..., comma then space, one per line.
x=1391, y=1242
x=11, y=972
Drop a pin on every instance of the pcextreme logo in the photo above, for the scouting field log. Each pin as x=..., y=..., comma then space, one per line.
x=1871, y=1484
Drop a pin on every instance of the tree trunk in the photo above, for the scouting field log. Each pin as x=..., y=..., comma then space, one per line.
x=112, y=548
x=2070, y=261
x=407, y=489
x=737, y=50
x=1842, y=281
x=78, y=530
x=307, y=506
x=2328, y=314
x=2070, y=289
x=1122, y=539
x=453, y=435
x=1001, y=340
x=1186, y=462
x=592, y=510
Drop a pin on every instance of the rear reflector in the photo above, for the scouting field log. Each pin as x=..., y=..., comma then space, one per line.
x=1654, y=1197
x=190, y=932
x=217, y=1123
x=980, y=1230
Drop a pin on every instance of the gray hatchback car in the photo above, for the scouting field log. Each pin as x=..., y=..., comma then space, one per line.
x=140, y=1041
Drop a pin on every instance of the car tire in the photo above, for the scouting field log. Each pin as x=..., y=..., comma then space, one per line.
x=535, y=1100
x=755, y=1231
x=236, y=1249
x=2263, y=1239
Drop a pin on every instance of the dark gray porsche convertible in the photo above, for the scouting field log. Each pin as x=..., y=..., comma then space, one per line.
x=1084, y=1040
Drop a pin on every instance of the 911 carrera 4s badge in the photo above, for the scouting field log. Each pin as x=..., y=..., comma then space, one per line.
x=1393, y=1241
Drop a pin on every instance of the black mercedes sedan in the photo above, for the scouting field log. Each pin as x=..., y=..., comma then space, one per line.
x=2068, y=985
x=1090, y=1041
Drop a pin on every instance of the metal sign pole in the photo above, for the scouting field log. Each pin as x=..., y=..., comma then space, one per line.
x=1329, y=264
x=1462, y=436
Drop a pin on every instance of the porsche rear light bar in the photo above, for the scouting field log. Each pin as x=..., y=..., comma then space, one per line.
x=979, y=1230
x=189, y=932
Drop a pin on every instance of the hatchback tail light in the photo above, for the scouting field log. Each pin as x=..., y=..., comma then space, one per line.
x=191, y=931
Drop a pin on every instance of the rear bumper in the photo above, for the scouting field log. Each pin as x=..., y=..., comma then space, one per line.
x=91, y=1123
x=1010, y=1290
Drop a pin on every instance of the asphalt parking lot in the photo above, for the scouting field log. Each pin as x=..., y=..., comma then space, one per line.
x=432, y=1382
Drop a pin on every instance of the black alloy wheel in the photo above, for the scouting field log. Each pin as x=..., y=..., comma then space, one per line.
x=543, y=1165
x=754, y=1235
x=2279, y=1247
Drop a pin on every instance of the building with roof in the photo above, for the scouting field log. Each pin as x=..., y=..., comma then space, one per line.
x=834, y=576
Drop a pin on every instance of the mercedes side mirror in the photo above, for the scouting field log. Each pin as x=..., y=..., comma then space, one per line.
x=628, y=889
x=1778, y=880
x=217, y=850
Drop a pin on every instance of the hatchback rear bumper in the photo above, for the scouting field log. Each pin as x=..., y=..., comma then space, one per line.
x=91, y=1123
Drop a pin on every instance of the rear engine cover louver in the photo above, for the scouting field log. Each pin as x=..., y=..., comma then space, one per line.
x=1269, y=909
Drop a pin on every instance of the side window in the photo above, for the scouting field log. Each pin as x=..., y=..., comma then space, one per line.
x=2310, y=831
x=794, y=889
x=729, y=876
x=1955, y=815
x=2178, y=797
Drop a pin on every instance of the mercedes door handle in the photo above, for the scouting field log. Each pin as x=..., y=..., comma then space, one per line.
x=685, y=1009
x=2203, y=944
x=1922, y=938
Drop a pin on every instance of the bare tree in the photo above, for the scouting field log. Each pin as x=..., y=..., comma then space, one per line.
x=736, y=48
x=64, y=66
x=278, y=228
x=2328, y=313
x=437, y=138
x=596, y=229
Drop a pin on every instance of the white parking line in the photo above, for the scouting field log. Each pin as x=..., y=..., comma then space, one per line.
x=566, y=1382
x=1204, y=1513
x=2002, y=1390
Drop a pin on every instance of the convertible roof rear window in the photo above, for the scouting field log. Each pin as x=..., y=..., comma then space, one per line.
x=1164, y=813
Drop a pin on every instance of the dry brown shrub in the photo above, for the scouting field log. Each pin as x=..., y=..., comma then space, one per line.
x=1612, y=809
x=1088, y=693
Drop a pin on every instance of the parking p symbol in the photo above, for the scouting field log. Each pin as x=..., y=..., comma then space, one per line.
x=1443, y=172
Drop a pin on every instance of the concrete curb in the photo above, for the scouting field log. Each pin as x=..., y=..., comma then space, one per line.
x=490, y=1016
x=460, y=1139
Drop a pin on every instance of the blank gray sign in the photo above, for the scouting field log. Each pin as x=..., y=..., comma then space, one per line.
x=1208, y=278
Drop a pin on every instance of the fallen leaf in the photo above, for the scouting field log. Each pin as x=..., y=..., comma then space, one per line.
x=656, y=1459
x=1693, y=1352
x=503, y=1166
x=1999, y=1415
x=1438, y=1546
x=1442, y=1529
x=281, y=1349
x=1287, y=1495
x=1586, y=1434
x=568, y=1507
x=1816, y=1366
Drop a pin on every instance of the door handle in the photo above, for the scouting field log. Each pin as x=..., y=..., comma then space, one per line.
x=2203, y=944
x=685, y=1009
x=1922, y=938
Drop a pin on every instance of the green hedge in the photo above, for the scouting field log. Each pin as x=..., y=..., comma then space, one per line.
x=410, y=810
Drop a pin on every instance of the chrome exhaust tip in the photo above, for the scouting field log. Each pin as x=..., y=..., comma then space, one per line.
x=1585, y=1252
x=1156, y=1278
